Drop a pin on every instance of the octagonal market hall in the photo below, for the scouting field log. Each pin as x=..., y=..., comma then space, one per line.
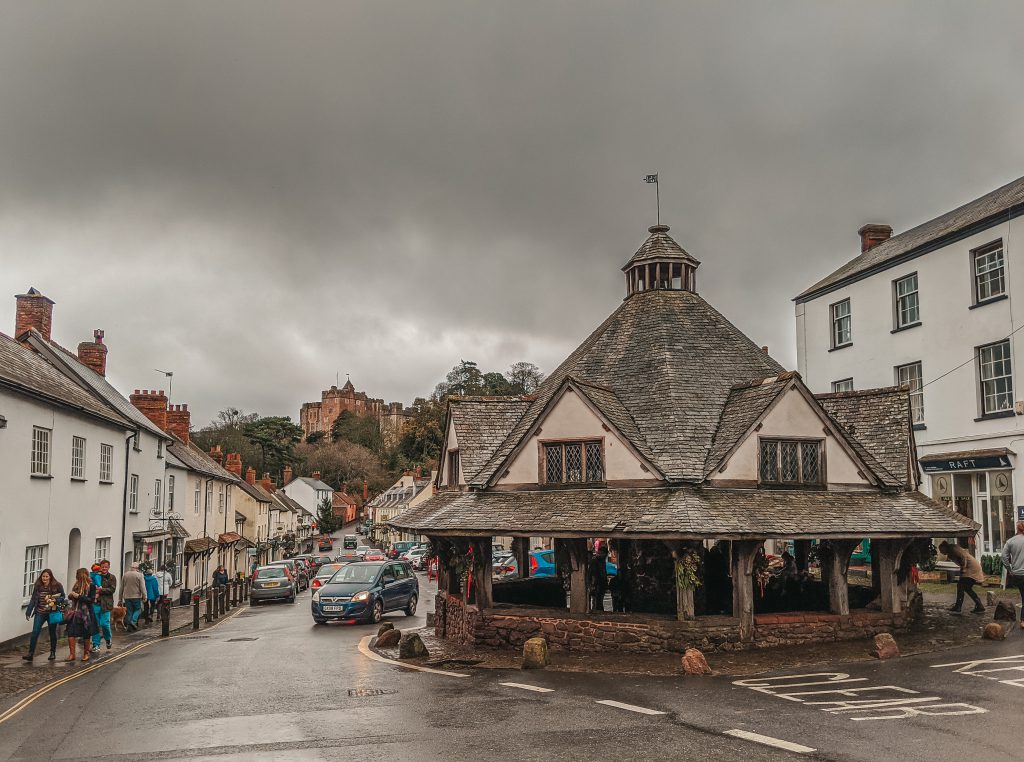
x=676, y=487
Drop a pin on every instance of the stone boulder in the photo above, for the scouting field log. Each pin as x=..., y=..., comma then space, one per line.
x=1004, y=612
x=694, y=663
x=885, y=647
x=993, y=631
x=411, y=647
x=389, y=638
x=990, y=598
x=385, y=627
x=535, y=654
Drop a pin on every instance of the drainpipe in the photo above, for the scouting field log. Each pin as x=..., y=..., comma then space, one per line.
x=124, y=502
x=206, y=513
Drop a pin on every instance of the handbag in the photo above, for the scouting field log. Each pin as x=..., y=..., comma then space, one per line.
x=56, y=617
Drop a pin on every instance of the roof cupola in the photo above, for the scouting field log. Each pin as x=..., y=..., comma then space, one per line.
x=660, y=264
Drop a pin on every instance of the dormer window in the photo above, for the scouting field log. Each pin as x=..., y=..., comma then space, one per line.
x=573, y=462
x=786, y=462
x=453, y=468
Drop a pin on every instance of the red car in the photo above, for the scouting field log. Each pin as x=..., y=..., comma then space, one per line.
x=374, y=555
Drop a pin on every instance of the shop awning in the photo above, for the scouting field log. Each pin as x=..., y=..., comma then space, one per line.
x=200, y=545
x=967, y=460
x=228, y=537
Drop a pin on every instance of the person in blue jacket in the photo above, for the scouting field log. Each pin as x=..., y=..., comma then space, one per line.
x=152, y=595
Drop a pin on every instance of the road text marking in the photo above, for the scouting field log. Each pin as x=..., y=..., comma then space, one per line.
x=526, y=687
x=769, y=741
x=629, y=707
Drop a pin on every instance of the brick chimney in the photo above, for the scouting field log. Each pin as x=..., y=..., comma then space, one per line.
x=316, y=475
x=288, y=475
x=153, y=405
x=217, y=454
x=93, y=354
x=419, y=472
x=33, y=311
x=234, y=463
x=250, y=475
x=871, y=235
x=266, y=483
x=179, y=422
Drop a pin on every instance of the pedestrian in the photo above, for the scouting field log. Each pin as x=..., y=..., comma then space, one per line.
x=165, y=580
x=152, y=595
x=133, y=591
x=81, y=618
x=970, y=573
x=1013, y=562
x=597, y=571
x=107, y=584
x=45, y=607
x=220, y=577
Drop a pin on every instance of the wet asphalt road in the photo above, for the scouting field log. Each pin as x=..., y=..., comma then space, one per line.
x=269, y=684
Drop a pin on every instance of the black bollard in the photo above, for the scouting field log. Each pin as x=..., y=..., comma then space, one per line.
x=234, y=593
x=164, y=606
x=195, y=612
x=211, y=612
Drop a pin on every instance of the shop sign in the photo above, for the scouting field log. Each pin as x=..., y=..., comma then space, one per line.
x=966, y=464
x=1020, y=513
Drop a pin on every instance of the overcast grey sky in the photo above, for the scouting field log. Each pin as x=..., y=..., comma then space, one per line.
x=259, y=195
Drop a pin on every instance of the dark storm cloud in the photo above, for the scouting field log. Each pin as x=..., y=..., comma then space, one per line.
x=261, y=195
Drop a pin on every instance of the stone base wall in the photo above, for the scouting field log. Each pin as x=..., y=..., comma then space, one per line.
x=511, y=626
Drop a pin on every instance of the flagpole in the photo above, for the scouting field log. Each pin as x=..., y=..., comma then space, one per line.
x=657, y=196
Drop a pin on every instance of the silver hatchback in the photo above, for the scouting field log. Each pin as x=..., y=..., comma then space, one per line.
x=272, y=583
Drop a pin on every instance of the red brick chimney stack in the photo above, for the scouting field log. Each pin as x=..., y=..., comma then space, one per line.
x=153, y=405
x=871, y=235
x=234, y=463
x=288, y=475
x=93, y=354
x=266, y=483
x=250, y=475
x=316, y=475
x=179, y=422
x=33, y=311
x=217, y=454
x=419, y=472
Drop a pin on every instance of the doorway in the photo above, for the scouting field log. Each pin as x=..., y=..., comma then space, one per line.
x=74, y=556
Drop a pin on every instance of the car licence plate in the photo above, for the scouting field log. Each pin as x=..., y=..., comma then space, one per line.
x=271, y=584
x=334, y=608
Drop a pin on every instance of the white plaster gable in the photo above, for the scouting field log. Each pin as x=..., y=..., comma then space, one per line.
x=451, y=442
x=792, y=416
x=573, y=418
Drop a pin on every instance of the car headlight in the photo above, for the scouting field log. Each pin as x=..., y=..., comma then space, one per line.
x=316, y=597
x=360, y=597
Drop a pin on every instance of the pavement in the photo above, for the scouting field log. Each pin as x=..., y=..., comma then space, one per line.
x=269, y=684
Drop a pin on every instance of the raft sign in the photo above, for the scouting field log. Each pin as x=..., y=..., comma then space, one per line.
x=965, y=464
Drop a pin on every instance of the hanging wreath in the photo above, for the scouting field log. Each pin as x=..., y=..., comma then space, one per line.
x=688, y=570
x=760, y=570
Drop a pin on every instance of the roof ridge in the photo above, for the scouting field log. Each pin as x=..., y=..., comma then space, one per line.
x=786, y=376
x=877, y=391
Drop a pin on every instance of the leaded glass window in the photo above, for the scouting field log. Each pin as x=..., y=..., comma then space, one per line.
x=787, y=462
x=573, y=462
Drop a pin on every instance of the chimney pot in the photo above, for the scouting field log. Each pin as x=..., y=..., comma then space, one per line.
x=33, y=311
x=179, y=422
x=153, y=406
x=93, y=354
x=873, y=234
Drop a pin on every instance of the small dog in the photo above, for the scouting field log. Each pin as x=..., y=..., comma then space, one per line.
x=117, y=617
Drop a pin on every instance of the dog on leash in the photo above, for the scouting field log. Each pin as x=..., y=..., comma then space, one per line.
x=117, y=617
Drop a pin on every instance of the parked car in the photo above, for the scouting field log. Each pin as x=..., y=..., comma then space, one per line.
x=324, y=574
x=542, y=563
x=374, y=555
x=362, y=550
x=351, y=542
x=325, y=543
x=417, y=557
x=365, y=591
x=298, y=570
x=347, y=557
x=271, y=583
x=400, y=547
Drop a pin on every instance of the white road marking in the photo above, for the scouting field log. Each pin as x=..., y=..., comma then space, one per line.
x=629, y=707
x=769, y=741
x=364, y=649
x=526, y=687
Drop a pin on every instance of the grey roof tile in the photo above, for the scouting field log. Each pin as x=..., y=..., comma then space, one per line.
x=878, y=425
x=481, y=425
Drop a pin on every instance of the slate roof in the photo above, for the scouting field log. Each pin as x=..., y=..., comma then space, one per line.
x=746, y=404
x=879, y=426
x=659, y=246
x=671, y=360
x=314, y=483
x=924, y=236
x=194, y=459
x=254, y=491
x=611, y=407
x=687, y=512
x=28, y=371
x=481, y=425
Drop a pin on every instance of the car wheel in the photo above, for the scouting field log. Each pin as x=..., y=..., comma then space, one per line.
x=254, y=602
x=292, y=599
x=377, y=613
x=410, y=610
x=320, y=621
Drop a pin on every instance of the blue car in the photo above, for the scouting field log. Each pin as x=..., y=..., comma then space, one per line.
x=542, y=564
x=365, y=591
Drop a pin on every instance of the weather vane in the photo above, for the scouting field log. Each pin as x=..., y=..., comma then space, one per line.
x=657, y=192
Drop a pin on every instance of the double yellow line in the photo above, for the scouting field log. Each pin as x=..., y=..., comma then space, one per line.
x=32, y=697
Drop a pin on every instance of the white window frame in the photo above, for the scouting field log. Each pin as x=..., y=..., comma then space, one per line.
x=220, y=498
x=198, y=496
x=102, y=549
x=133, y=494
x=159, y=448
x=910, y=374
x=106, y=463
x=158, y=495
x=840, y=337
x=842, y=385
x=988, y=269
x=78, y=446
x=35, y=562
x=993, y=385
x=41, y=450
x=170, y=493
x=906, y=301
x=209, y=496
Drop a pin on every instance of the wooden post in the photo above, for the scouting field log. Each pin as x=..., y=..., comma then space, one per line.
x=801, y=549
x=834, y=569
x=889, y=554
x=743, y=552
x=521, y=551
x=483, y=572
x=686, y=609
x=579, y=587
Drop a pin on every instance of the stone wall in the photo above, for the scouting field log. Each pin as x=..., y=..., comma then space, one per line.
x=511, y=626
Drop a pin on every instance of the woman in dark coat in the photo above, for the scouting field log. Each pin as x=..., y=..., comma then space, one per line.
x=81, y=620
x=47, y=596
